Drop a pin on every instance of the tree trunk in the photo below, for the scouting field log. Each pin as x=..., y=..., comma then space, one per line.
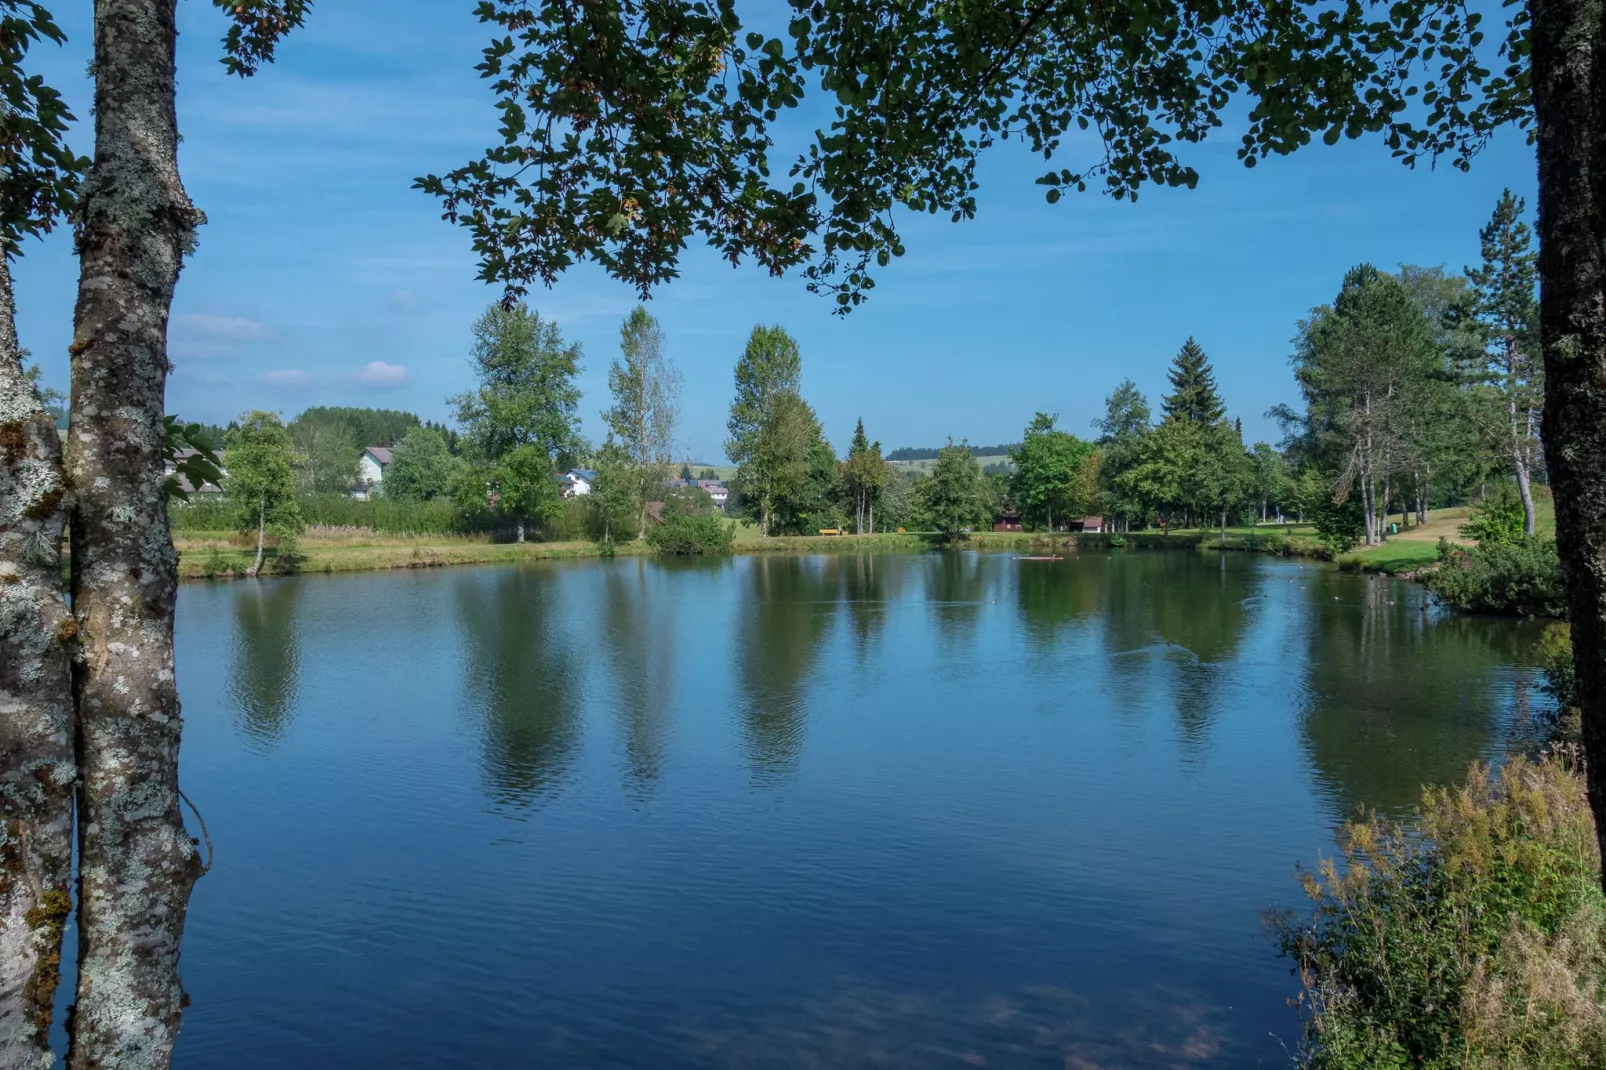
x=872, y=518
x=1525, y=489
x=1223, y=527
x=1570, y=105
x=518, y=527
x=36, y=709
x=262, y=529
x=137, y=862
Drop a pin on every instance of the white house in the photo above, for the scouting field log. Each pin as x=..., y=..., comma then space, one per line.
x=371, y=469
x=576, y=482
x=716, y=489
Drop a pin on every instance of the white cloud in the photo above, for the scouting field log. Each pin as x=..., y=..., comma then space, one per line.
x=378, y=373
x=286, y=377
x=222, y=328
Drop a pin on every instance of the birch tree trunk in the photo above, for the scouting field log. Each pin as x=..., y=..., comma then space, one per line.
x=137, y=862
x=36, y=709
x=262, y=529
x=1570, y=105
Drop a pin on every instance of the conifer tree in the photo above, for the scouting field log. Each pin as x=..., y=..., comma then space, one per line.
x=1193, y=384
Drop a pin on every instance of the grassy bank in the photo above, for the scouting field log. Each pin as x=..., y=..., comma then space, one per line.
x=221, y=554
x=217, y=555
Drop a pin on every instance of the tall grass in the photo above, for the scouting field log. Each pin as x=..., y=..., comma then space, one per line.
x=1472, y=938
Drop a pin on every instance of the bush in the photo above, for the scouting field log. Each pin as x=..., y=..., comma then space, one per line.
x=1471, y=938
x=1522, y=578
x=1340, y=525
x=692, y=533
x=1498, y=519
x=1561, y=684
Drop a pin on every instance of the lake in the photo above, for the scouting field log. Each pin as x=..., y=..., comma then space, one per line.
x=942, y=810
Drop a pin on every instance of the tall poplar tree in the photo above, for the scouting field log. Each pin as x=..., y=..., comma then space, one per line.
x=646, y=405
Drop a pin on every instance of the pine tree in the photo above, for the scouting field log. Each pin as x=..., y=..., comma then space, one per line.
x=1508, y=373
x=1193, y=383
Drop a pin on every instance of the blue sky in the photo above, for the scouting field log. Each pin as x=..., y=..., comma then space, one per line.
x=322, y=278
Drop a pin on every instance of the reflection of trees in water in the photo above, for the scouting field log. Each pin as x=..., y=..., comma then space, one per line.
x=264, y=671
x=784, y=617
x=1398, y=698
x=1054, y=595
x=957, y=588
x=640, y=659
x=866, y=586
x=1176, y=618
x=522, y=678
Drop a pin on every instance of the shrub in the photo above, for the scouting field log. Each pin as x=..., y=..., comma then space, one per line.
x=1471, y=938
x=1340, y=525
x=1561, y=684
x=1498, y=519
x=692, y=533
x=1521, y=578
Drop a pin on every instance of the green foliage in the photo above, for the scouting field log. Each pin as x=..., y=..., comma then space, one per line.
x=1049, y=478
x=1521, y=578
x=391, y=516
x=329, y=443
x=1193, y=394
x=1556, y=656
x=684, y=532
x=193, y=455
x=1340, y=525
x=525, y=485
x=862, y=476
x=1121, y=432
x=785, y=469
x=1499, y=518
x=40, y=176
x=527, y=396
x=362, y=427
x=615, y=501
x=955, y=496
x=261, y=485
x=1471, y=938
x=641, y=424
x=626, y=133
x=421, y=467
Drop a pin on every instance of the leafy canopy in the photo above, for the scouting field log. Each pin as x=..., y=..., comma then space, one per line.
x=632, y=127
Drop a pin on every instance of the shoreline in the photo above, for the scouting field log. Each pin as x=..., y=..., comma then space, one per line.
x=215, y=559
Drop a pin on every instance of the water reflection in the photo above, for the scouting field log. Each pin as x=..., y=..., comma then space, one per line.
x=958, y=586
x=265, y=663
x=1397, y=694
x=983, y=856
x=522, y=676
x=867, y=585
x=640, y=659
x=785, y=614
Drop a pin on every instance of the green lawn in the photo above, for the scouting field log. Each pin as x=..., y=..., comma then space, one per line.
x=1396, y=555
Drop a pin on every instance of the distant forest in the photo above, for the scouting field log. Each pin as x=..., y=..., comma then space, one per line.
x=917, y=453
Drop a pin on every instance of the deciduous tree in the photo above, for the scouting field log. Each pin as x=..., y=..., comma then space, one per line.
x=420, y=468
x=38, y=775
x=863, y=475
x=955, y=497
x=261, y=484
x=766, y=433
x=646, y=405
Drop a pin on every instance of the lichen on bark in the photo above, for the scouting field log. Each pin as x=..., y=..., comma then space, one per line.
x=137, y=861
x=36, y=708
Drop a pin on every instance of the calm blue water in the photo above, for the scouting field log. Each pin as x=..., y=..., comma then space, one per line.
x=879, y=811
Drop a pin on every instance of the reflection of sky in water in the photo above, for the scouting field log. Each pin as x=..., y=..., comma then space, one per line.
x=905, y=811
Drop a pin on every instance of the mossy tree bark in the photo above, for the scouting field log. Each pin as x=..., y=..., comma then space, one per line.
x=36, y=708
x=1569, y=78
x=137, y=862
